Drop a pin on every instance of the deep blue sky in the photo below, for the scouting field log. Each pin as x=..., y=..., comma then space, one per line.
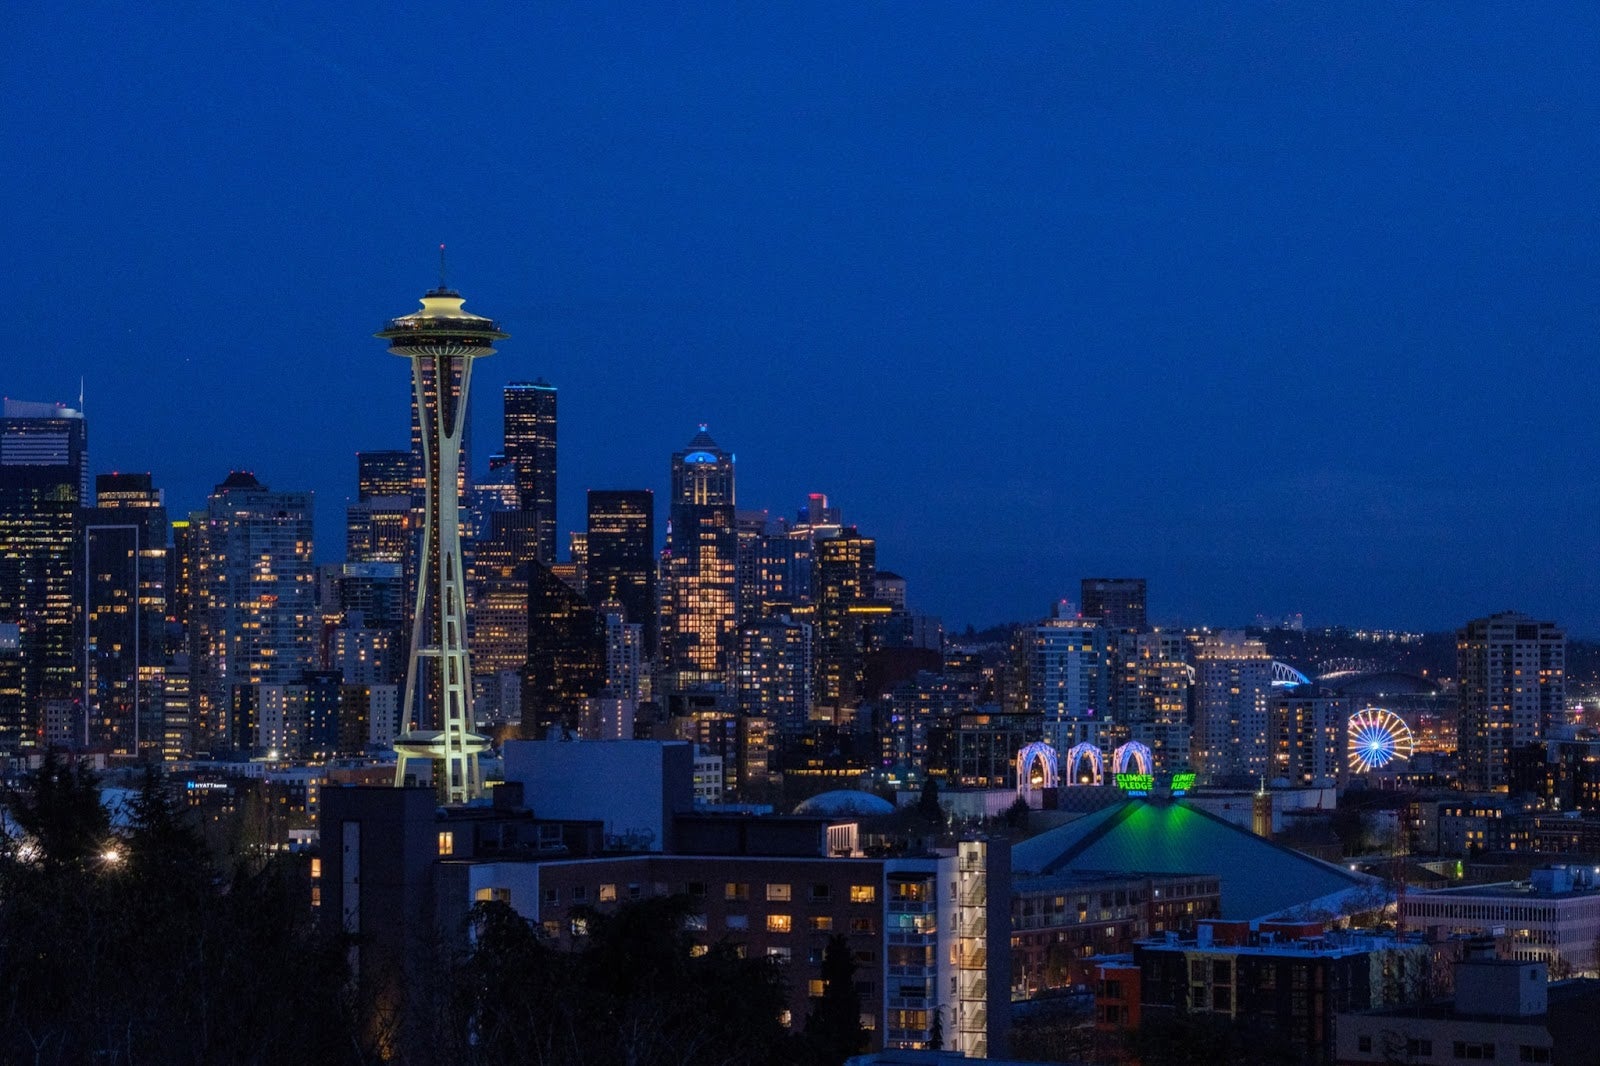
x=1287, y=307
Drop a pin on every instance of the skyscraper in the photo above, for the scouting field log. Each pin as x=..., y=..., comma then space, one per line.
x=1151, y=694
x=621, y=547
x=255, y=602
x=44, y=480
x=441, y=341
x=699, y=603
x=844, y=574
x=1234, y=683
x=125, y=612
x=386, y=473
x=530, y=446
x=1067, y=668
x=566, y=663
x=1512, y=673
x=1118, y=602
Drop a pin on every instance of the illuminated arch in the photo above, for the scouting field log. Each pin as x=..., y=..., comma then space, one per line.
x=1088, y=751
x=1132, y=758
x=1286, y=676
x=1045, y=755
x=1377, y=737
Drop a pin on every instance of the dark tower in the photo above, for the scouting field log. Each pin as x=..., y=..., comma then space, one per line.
x=530, y=446
x=622, y=553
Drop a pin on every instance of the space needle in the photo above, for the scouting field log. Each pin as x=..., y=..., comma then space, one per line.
x=441, y=340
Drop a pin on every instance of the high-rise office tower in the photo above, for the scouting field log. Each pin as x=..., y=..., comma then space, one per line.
x=530, y=446
x=625, y=679
x=499, y=608
x=1067, y=668
x=1117, y=602
x=441, y=341
x=774, y=672
x=125, y=613
x=387, y=473
x=844, y=573
x=1513, y=676
x=255, y=610
x=44, y=480
x=378, y=529
x=699, y=603
x=751, y=530
x=1233, y=685
x=566, y=664
x=621, y=548
x=1151, y=694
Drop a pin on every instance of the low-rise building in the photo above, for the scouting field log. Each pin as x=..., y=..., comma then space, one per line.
x=1553, y=918
x=1286, y=978
x=1503, y=1010
x=1062, y=925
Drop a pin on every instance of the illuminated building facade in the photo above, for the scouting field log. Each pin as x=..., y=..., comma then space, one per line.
x=773, y=677
x=125, y=611
x=699, y=604
x=620, y=552
x=1152, y=694
x=1512, y=674
x=844, y=572
x=384, y=473
x=1068, y=680
x=530, y=447
x=255, y=598
x=44, y=480
x=441, y=341
x=378, y=529
x=1233, y=679
x=499, y=584
x=1307, y=731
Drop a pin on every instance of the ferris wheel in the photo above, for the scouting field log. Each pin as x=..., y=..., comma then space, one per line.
x=1377, y=737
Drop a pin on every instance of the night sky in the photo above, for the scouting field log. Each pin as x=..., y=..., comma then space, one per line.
x=1286, y=307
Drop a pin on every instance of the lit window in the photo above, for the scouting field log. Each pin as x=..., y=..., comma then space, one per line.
x=814, y=986
x=821, y=923
x=736, y=890
x=608, y=894
x=863, y=893
x=738, y=921
x=447, y=843
x=697, y=950
x=777, y=893
x=778, y=923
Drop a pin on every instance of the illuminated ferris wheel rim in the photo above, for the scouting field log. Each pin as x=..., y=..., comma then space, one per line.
x=1377, y=737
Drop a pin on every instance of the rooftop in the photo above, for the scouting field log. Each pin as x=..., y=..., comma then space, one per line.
x=1260, y=879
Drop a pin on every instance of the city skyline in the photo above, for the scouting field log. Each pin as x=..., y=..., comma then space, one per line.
x=1030, y=294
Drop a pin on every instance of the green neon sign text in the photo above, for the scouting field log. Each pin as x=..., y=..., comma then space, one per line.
x=1182, y=782
x=1135, y=782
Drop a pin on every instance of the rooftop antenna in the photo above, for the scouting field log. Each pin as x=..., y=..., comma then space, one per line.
x=441, y=267
x=80, y=394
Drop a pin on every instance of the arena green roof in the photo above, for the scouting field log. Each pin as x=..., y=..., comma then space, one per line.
x=1259, y=879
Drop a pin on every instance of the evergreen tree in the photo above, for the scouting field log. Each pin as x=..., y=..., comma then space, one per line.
x=928, y=804
x=834, y=1027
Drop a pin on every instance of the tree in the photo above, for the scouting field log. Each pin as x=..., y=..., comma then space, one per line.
x=1017, y=814
x=634, y=992
x=928, y=804
x=936, y=1030
x=834, y=1027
